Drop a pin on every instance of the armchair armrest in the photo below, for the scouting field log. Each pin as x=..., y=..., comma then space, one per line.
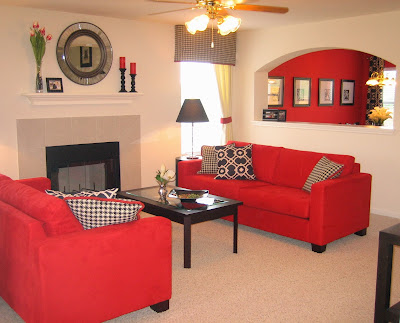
x=101, y=273
x=339, y=207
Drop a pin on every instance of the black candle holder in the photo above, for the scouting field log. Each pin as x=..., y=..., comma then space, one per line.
x=122, y=79
x=133, y=82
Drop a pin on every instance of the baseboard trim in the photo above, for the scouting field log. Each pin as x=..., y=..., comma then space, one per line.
x=392, y=214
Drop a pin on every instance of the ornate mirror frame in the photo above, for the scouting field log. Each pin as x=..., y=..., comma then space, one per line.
x=74, y=73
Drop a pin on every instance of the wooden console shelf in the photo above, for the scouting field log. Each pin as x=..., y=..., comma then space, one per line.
x=81, y=98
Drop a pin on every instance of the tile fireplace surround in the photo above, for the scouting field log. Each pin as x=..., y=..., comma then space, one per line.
x=34, y=135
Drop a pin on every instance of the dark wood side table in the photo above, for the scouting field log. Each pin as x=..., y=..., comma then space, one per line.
x=179, y=159
x=383, y=311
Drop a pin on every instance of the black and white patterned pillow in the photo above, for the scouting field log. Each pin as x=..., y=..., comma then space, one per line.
x=62, y=195
x=323, y=170
x=235, y=163
x=93, y=212
x=209, y=163
x=107, y=194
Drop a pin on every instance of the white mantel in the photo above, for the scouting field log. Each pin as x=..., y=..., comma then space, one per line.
x=81, y=98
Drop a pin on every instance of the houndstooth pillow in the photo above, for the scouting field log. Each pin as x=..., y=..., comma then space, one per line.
x=209, y=163
x=107, y=194
x=93, y=212
x=235, y=163
x=324, y=169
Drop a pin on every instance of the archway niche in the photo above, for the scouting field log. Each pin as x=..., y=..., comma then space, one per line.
x=338, y=66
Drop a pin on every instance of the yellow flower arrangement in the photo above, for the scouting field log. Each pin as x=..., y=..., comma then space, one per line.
x=379, y=115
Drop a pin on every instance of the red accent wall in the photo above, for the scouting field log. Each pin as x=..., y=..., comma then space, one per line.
x=334, y=64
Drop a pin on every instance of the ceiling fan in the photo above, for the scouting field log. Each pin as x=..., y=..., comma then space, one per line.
x=216, y=10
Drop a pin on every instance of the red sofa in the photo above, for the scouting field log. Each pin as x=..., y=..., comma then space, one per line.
x=275, y=201
x=51, y=270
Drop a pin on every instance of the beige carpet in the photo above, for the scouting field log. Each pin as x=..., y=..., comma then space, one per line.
x=271, y=279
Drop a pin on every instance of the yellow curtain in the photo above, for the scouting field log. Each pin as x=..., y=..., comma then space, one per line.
x=224, y=81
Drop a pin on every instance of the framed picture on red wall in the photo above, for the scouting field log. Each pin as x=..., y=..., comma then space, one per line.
x=347, y=92
x=326, y=92
x=301, y=91
x=276, y=85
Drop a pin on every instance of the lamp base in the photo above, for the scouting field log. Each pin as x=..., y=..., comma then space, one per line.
x=192, y=157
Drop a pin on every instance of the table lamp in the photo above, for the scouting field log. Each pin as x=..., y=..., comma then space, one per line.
x=192, y=111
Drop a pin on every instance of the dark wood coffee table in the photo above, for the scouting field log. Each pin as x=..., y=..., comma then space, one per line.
x=186, y=213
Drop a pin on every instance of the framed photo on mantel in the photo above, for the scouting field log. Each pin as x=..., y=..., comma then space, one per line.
x=275, y=91
x=301, y=91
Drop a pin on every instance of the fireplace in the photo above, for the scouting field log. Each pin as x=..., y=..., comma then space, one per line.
x=93, y=166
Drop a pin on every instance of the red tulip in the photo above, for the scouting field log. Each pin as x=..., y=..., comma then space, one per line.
x=49, y=37
x=42, y=31
x=32, y=33
x=35, y=25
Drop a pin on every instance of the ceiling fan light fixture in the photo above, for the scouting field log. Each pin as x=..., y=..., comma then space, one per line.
x=378, y=79
x=228, y=24
x=198, y=23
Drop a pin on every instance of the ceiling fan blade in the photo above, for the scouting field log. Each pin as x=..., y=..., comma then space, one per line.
x=160, y=13
x=251, y=7
x=178, y=2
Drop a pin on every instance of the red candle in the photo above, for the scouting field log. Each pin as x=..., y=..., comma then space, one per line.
x=122, y=62
x=133, y=68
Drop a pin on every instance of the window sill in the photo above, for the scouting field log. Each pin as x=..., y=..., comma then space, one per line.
x=83, y=98
x=326, y=127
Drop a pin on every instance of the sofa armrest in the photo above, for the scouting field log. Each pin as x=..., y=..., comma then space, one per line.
x=98, y=274
x=39, y=183
x=339, y=207
x=188, y=167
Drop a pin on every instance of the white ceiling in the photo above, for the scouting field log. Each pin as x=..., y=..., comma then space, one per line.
x=300, y=11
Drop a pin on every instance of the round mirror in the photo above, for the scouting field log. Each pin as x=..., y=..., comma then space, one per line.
x=84, y=53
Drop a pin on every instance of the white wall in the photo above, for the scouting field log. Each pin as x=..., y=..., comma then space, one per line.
x=151, y=46
x=378, y=153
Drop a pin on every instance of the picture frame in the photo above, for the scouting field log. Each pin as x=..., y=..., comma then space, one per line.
x=54, y=84
x=276, y=87
x=270, y=114
x=326, y=92
x=301, y=91
x=281, y=115
x=86, y=57
x=347, y=92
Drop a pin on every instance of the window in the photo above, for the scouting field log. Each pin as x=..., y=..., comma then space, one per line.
x=198, y=81
x=389, y=94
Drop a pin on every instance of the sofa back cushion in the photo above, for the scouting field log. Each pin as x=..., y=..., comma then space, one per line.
x=55, y=214
x=294, y=166
x=265, y=160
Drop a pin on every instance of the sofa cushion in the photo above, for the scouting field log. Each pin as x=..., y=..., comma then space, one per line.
x=94, y=212
x=235, y=163
x=279, y=199
x=209, y=162
x=55, y=214
x=323, y=170
x=294, y=166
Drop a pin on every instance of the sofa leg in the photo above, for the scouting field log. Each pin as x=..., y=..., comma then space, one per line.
x=317, y=248
x=160, y=307
x=361, y=233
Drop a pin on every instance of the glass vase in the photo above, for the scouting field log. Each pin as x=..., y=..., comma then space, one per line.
x=162, y=191
x=39, y=79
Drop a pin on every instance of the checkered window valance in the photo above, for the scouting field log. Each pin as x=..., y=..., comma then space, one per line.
x=197, y=47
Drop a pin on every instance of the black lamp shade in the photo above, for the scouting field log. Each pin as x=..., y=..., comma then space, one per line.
x=192, y=111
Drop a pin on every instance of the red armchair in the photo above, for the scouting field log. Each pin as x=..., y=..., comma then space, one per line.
x=82, y=276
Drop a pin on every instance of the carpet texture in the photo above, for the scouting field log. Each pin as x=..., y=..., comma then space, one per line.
x=271, y=279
